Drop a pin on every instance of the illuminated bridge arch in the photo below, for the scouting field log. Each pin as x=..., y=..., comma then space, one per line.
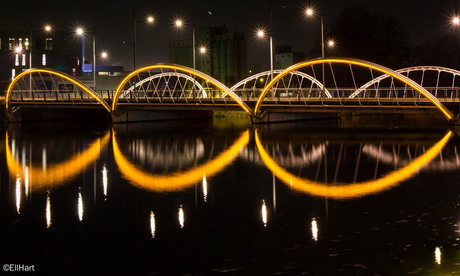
x=139, y=74
x=355, y=62
x=48, y=85
x=406, y=71
x=263, y=77
x=345, y=190
x=178, y=180
x=59, y=173
x=150, y=81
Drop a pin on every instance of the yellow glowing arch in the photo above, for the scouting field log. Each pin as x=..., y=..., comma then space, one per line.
x=357, y=62
x=344, y=191
x=179, y=180
x=182, y=69
x=60, y=74
x=57, y=174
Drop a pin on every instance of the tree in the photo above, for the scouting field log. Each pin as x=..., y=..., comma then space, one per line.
x=363, y=34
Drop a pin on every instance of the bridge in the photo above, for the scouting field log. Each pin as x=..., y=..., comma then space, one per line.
x=167, y=91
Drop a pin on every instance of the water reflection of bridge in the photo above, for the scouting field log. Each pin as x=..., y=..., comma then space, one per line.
x=352, y=86
x=291, y=155
x=318, y=166
x=175, y=165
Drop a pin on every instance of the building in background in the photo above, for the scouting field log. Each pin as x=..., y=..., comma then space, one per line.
x=54, y=50
x=285, y=57
x=224, y=54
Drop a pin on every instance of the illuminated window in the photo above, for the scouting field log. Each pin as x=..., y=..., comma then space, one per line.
x=16, y=60
x=24, y=61
x=49, y=44
x=11, y=42
x=20, y=42
x=44, y=59
x=26, y=43
x=13, y=74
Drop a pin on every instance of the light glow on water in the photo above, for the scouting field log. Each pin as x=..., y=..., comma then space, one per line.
x=437, y=255
x=18, y=194
x=264, y=213
x=181, y=217
x=205, y=189
x=48, y=211
x=80, y=206
x=152, y=224
x=314, y=229
x=104, y=181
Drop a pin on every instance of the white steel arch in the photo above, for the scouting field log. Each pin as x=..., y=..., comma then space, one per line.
x=168, y=74
x=407, y=70
x=275, y=72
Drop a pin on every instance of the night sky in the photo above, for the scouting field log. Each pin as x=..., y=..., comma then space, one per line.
x=113, y=22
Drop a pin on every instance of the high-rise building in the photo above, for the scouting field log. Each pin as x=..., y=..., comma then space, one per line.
x=219, y=53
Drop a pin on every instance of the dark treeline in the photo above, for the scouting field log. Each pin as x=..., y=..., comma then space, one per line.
x=368, y=35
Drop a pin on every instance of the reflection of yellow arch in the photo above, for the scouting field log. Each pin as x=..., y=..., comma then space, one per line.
x=178, y=180
x=58, y=173
x=343, y=191
x=184, y=69
x=57, y=73
x=367, y=64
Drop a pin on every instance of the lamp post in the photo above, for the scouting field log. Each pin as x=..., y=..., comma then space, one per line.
x=310, y=12
x=81, y=32
x=179, y=23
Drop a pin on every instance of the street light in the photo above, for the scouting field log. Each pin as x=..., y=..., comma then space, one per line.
x=81, y=32
x=178, y=23
x=104, y=55
x=260, y=33
x=456, y=20
x=331, y=43
x=150, y=19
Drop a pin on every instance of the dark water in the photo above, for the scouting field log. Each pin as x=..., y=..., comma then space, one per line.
x=203, y=198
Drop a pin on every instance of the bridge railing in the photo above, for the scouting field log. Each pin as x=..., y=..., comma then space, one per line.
x=76, y=96
x=374, y=96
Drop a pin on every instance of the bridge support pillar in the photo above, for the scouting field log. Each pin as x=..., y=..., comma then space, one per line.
x=455, y=121
x=125, y=114
x=278, y=117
